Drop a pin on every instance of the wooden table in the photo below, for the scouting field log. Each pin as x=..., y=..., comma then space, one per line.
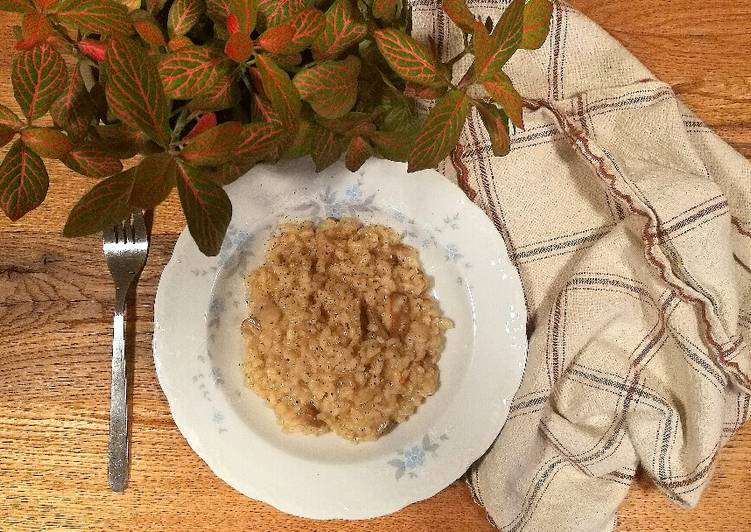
x=56, y=304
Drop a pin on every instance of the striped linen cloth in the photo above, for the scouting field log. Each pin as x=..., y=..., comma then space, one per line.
x=630, y=223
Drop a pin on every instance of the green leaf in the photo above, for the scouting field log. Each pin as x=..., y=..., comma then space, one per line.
x=536, y=23
x=385, y=9
x=17, y=6
x=458, y=12
x=74, y=110
x=358, y=152
x=279, y=89
x=207, y=208
x=394, y=145
x=134, y=91
x=214, y=146
x=147, y=27
x=47, y=142
x=259, y=140
x=496, y=123
x=94, y=16
x=330, y=87
x=277, y=11
x=440, y=131
x=341, y=30
x=327, y=148
x=92, y=160
x=194, y=71
x=155, y=176
x=246, y=12
x=494, y=50
x=307, y=24
x=23, y=181
x=102, y=206
x=347, y=123
x=183, y=15
x=500, y=88
x=39, y=77
x=409, y=58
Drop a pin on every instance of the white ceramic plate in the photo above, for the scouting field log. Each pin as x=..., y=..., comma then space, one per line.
x=198, y=347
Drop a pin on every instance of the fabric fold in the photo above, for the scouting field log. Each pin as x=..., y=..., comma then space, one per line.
x=630, y=223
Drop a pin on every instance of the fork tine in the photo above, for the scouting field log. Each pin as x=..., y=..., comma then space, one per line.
x=139, y=227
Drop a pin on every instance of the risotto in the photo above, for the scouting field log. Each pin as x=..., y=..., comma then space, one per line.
x=342, y=333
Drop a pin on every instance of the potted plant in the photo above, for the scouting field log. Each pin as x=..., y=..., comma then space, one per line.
x=151, y=95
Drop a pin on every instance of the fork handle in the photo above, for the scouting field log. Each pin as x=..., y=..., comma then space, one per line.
x=118, y=438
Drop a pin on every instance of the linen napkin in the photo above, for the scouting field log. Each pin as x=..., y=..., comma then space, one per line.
x=630, y=224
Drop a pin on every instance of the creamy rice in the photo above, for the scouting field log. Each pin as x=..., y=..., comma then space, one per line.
x=343, y=334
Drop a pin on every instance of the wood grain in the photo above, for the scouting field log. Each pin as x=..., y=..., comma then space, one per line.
x=56, y=303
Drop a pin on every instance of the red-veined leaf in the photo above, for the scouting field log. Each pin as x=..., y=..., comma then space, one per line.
x=440, y=131
x=277, y=11
x=93, y=49
x=153, y=180
x=536, y=23
x=302, y=142
x=44, y=5
x=207, y=208
x=17, y=6
x=227, y=173
x=206, y=121
x=223, y=94
x=131, y=5
x=500, y=88
x=414, y=90
x=179, y=42
x=147, y=27
x=214, y=146
x=120, y=140
x=102, y=206
x=327, y=149
x=330, y=87
x=358, y=152
x=496, y=123
x=342, y=29
x=217, y=10
x=134, y=92
x=183, y=15
x=74, y=110
x=245, y=13
x=193, y=70
x=492, y=51
x=36, y=28
x=155, y=5
x=9, y=118
x=39, y=77
x=93, y=160
x=394, y=145
x=23, y=181
x=239, y=47
x=233, y=24
x=409, y=58
x=385, y=9
x=47, y=142
x=307, y=24
x=347, y=123
x=94, y=16
x=279, y=40
x=458, y=11
x=259, y=140
x=287, y=61
x=279, y=89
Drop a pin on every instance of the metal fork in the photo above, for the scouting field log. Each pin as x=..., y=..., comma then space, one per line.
x=126, y=245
